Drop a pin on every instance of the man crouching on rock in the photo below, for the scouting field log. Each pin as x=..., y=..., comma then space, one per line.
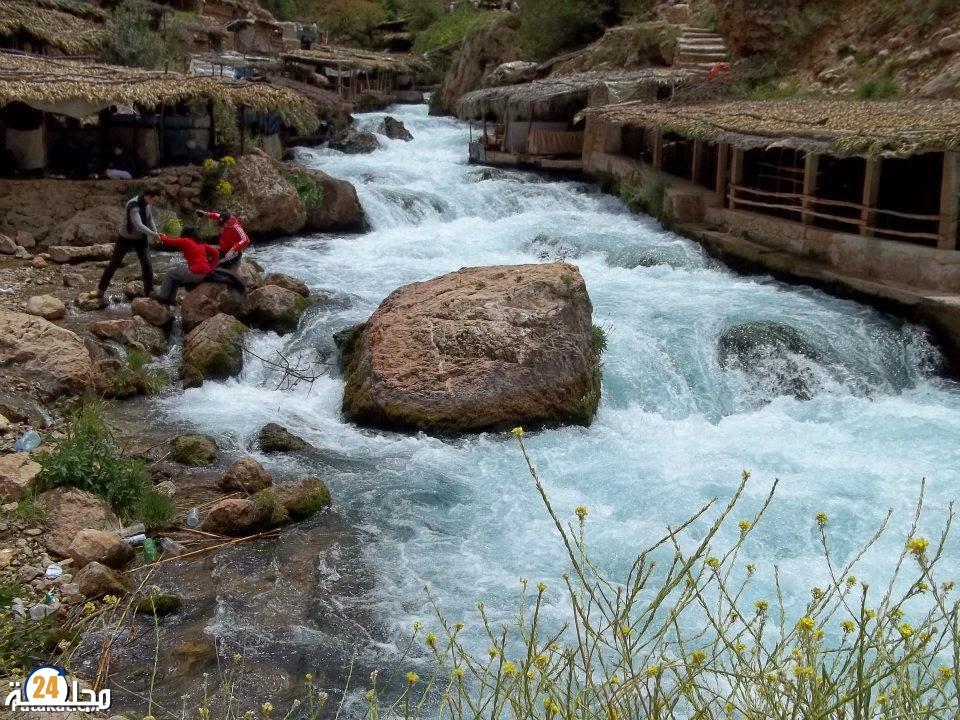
x=233, y=238
x=201, y=261
x=136, y=228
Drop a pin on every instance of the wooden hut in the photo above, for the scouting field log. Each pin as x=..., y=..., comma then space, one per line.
x=256, y=35
x=51, y=27
x=64, y=117
x=535, y=123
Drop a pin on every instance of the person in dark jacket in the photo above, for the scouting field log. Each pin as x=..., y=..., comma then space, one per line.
x=201, y=260
x=136, y=228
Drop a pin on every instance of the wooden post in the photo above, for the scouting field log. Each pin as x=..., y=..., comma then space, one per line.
x=658, y=149
x=810, y=169
x=723, y=162
x=736, y=175
x=212, y=137
x=871, y=192
x=696, y=160
x=243, y=129
x=949, y=201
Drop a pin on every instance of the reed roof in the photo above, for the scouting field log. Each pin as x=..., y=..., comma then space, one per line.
x=356, y=59
x=74, y=28
x=837, y=127
x=57, y=82
x=565, y=95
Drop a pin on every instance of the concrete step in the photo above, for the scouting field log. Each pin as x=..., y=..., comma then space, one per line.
x=700, y=67
x=701, y=51
x=683, y=42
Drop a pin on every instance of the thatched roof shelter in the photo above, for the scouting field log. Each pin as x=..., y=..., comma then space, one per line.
x=74, y=28
x=562, y=96
x=79, y=89
x=355, y=59
x=836, y=127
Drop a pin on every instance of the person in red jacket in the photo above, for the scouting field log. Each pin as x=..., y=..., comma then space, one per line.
x=201, y=259
x=233, y=238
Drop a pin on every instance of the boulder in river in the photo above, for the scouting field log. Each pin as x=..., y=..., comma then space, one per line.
x=68, y=510
x=477, y=349
x=354, y=142
x=276, y=438
x=134, y=332
x=46, y=306
x=208, y=299
x=272, y=307
x=106, y=548
x=335, y=206
x=213, y=350
x=395, y=129
x=263, y=198
x=95, y=580
x=195, y=450
x=304, y=498
x=775, y=358
x=233, y=516
x=246, y=475
x=289, y=282
x=153, y=311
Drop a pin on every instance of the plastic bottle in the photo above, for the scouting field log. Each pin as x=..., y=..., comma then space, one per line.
x=27, y=442
x=127, y=532
x=193, y=517
x=170, y=547
x=150, y=552
x=135, y=539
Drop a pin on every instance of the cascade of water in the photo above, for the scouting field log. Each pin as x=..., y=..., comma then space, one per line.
x=838, y=401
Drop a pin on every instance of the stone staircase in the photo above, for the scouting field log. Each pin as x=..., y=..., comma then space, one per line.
x=700, y=50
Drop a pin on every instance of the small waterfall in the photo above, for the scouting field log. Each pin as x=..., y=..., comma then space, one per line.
x=678, y=422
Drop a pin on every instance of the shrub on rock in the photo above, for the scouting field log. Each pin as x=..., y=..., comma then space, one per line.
x=305, y=498
x=477, y=349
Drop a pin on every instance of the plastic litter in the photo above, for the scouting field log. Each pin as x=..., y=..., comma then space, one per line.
x=28, y=442
x=135, y=539
x=132, y=530
x=53, y=571
x=150, y=552
x=193, y=517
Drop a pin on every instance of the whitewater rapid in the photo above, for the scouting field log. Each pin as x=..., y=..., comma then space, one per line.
x=674, y=427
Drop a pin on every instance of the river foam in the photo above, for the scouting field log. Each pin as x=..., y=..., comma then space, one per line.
x=674, y=429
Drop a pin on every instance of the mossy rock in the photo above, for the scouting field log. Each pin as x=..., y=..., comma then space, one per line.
x=194, y=450
x=159, y=604
x=305, y=498
x=346, y=342
x=276, y=438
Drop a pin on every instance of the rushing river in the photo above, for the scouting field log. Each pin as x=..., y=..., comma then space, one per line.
x=675, y=426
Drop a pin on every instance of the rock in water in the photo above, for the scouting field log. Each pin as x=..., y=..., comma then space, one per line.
x=208, y=299
x=396, y=130
x=134, y=332
x=233, y=516
x=276, y=438
x=775, y=357
x=106, y=548
x=480, y=348
x=153, y=311
x=96, y=579
x=355, y=142
x=263, y=199
x=272, y=307
x=46, y=306
x=289, y=282
x=213, y=350
x=246, y=475
x=40, y=351
x=195, y=450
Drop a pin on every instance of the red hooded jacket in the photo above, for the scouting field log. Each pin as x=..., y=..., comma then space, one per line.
x=232, y=236
x=201, y=258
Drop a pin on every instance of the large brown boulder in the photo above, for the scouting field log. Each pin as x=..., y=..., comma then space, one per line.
x=477, y=349
x=287, y=281
x=17, y=473
x=233, y=516
x=272, y=307
x=481, y=52
x=46, y=306
x=263, y=198
x=70, y=254
x=106, y=548
x=95, y=580
x=213, y=350
x=134, y=332
x=335, y=206
x=69, y=510
x=37, y=350
x=153, y=311
x=209, y=299
x=246, y=475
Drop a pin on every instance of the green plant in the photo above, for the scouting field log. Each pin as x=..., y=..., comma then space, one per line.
x=172, y=227
x=155, y=510
x=270, y=507
x=309, y=190
x=136, y=376
x=647, y=198
x=422, y=13
x=598, y=340
x=880, y=87
x=88, y=457
x=448, y=28
x=550, y=27
x=131, y=39
x=30, y=510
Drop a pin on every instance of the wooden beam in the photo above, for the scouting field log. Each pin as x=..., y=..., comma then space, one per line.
x=723, y=162
x=949, y=201
x=810, y=169
x=736, y=173
x=658, y=149
x=871, y=193
x=696, y=160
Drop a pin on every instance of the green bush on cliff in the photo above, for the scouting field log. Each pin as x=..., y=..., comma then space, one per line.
x=550, y=27
x=136, y=376
x=132, y=40
x=309, y=190
x=448, y=28
x=88, y=457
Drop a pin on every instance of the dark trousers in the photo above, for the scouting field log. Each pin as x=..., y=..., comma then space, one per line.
x=232, y=261
x=175, y=278
x=120, y=250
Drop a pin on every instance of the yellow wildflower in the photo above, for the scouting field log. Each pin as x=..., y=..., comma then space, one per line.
x=806, y=623
x=882, y=699
x=698, y=657
x=654, y=671
x=541, y=660
x=224, y=187
x=614, y=679
x=870, y=614
x=370, y=695
x=458, y=672
x=209, y=165
x=417, y=626
x=918, y=546
x=906, y=630
x=744, y=526
x=541, y=587
x=89, y=607
x=822, y=519
x=493, y=652
x=729, y=707
x=713, y=562
x=802, y=671
x=751, y=568
x=509, y=668
x=267, y=708
x=412, y=678
x=851, y=581
x=227, y=160
x=431, y=639
x=761, y=606
x=517, y=431
x=945, y=672
x=581, y=511
x=551, y=706
x=848, y=626
x=817, y=593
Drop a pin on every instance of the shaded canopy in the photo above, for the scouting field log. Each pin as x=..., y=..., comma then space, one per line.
x=74, y=28
x=562, y=96
x=356, y=59
x=836, y=127
x=70, y=87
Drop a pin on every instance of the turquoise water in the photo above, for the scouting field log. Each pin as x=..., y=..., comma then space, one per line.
x=674, y=429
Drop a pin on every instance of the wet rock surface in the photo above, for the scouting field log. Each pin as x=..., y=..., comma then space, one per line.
x=213, y=350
